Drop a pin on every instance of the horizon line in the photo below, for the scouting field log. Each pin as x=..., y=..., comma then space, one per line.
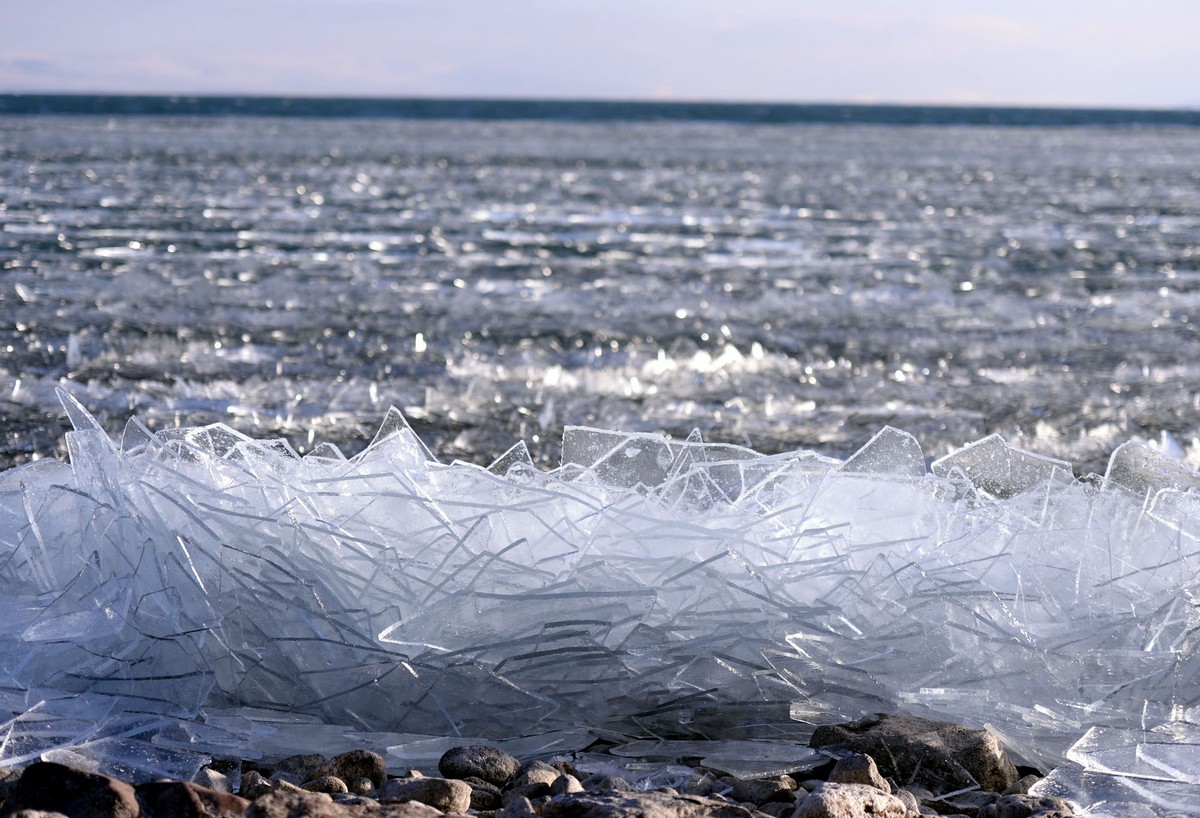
x=554, y=99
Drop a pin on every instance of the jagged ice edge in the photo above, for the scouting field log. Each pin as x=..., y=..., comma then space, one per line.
x=194, y=589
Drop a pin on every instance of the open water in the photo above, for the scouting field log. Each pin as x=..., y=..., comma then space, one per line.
x=784, y=277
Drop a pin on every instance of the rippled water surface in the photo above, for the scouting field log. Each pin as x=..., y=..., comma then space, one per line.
x=785, y=286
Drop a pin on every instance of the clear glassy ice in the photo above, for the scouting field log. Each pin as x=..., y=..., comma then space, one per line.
x=194, y=592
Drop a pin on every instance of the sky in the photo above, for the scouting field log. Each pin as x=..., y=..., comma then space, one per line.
x=1025, y=52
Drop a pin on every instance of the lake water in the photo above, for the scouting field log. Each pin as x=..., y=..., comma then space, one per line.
x=782, y=284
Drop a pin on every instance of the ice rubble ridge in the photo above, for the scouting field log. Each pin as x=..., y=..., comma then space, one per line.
x=201, y=591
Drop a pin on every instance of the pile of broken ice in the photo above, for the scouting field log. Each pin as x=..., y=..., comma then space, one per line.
x=194, y=592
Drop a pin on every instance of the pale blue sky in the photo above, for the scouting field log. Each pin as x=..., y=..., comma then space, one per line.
x=1039, y=52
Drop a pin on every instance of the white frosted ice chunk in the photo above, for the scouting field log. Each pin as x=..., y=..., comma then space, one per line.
x=1001, y=470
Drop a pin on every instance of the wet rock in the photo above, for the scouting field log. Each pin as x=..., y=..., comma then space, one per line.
x=764, y=790
x=1028, y=806
x=34, y=813
x=326, y=783
x=481, y=761
x=641, y=805
x=187, y=799
x=833, y=800
x=356, y=764
x=940, y=756
x=857, y=768
x=445, y=794
x=50, y=787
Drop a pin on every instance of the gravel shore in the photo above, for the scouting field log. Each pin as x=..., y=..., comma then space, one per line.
x=883, y=766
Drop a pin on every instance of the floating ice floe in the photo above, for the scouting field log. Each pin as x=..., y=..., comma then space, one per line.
x=174, y=596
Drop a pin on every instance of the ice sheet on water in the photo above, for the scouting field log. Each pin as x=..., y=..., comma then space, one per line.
x=238, y=599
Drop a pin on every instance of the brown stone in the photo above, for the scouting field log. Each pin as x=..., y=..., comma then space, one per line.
x=857, y=768
x=764, y=790
x=51, y=787
x=641, y=805
x=302, y=767
x=940, y=756
x=356, y=764
x=833, y=800
x=186, y=799
x=441, y=793
x=254, y=784
x=565, y=784
x=1028, y=806
x=325, y=783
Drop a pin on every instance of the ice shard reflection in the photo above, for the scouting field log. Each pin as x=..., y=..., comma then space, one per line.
x=204, y=593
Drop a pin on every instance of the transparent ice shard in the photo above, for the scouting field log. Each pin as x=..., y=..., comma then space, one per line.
x=518, y=454
x=624, y=460
x=890, y=452
x=1140, y=469
x=130, y=760
x=1000, y=470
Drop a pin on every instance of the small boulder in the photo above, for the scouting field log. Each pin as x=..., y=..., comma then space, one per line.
x=213, y=779
x=300, y=768
x=940, y=756
x=254, y=785
x=484, y=794
x=857, y=768
x=565, y=784
x=481, y=761
x=1028, y=806
x=325, y=783
x=51, y=787
x=445, y=794
x=606, y=783
x=764, y=790
x=187, y=799
x=356, y=764
x=641, y=805
x=832, y=800
x=534, y=772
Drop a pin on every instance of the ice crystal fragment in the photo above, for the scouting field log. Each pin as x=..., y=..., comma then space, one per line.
x=891, y=452
x=202, y=593
x=1142, y=470
x=999, y=469
x=130, y=760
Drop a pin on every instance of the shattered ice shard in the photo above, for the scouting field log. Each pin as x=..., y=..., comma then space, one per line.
x=204, y=593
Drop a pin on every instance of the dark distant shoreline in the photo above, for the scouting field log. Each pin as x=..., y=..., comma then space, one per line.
x=585, y=110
